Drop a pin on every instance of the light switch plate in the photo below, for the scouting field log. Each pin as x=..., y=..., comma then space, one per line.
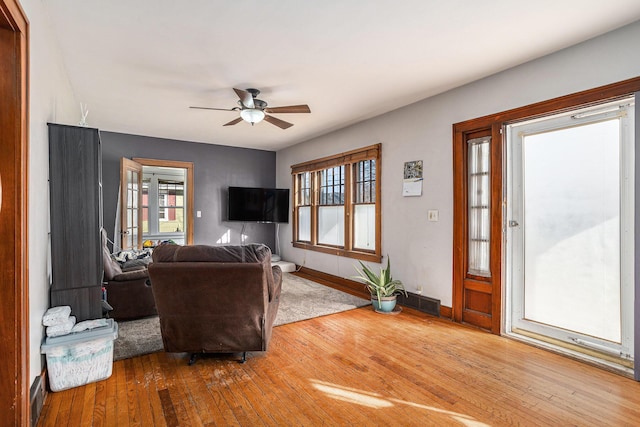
x=432, y=215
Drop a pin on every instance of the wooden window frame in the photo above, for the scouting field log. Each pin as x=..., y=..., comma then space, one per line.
x=348, y=160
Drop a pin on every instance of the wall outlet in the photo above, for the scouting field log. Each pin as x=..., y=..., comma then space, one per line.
x=419, y=290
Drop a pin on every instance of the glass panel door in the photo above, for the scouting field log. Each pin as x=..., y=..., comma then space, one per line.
x=131, y=196
x=570, y=229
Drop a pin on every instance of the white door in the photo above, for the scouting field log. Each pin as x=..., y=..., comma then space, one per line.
x=131, y=201
x=570, y=231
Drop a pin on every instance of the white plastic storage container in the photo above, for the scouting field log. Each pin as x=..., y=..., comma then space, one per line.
x=80, y=358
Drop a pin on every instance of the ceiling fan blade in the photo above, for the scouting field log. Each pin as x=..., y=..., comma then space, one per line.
x=245, y=97
x=280, y=123
x=288, y=109
x=233, y=122
x=217, y=109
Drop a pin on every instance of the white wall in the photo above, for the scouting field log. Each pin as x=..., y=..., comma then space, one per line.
x=421, y=251
x=51, y=99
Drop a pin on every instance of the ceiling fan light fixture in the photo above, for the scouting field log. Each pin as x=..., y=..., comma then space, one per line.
x=252, y=115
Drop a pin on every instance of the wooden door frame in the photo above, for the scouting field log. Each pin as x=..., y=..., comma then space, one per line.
x=462, y=133
x=495, y=122
x=190, y=187
x=14, y=295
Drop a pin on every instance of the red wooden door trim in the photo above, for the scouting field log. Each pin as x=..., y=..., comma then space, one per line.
x=14, y=296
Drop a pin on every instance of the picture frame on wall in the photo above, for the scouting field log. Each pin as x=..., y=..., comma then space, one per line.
x=412, y=181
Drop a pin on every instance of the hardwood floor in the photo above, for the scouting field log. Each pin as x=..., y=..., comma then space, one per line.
x=357, y=368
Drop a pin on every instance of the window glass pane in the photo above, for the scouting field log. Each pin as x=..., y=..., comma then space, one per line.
x=365, y=176
x=145, y=219
x=129, y=197
x=365, y=227
x=170, y=193
x=304, y=189
x=304, y=224
x=331, y=225
x=478, y=199
x=172, y=220
x=332, y=186
x=145, y=205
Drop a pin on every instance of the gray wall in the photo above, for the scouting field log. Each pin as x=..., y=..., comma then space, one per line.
x=215, y=167
x=422, y=251
x=51, y=99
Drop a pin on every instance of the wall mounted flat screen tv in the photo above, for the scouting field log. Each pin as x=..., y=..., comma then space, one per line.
x=258, y=204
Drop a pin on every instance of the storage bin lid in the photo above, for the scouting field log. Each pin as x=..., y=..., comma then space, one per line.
x=109, y=332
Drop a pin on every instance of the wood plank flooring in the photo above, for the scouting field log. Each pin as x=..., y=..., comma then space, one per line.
x=357, y=368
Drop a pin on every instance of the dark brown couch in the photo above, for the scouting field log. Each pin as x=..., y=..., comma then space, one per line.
x=128, y=291
x=215, y=299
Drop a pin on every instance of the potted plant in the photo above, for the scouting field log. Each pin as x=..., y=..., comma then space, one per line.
x=383, y=288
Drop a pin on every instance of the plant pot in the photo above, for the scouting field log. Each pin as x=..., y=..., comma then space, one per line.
x=386, y=304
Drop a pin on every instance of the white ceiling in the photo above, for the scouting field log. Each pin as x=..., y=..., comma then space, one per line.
x=140, y=64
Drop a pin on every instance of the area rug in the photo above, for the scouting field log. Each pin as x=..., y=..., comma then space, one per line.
x=300, y=299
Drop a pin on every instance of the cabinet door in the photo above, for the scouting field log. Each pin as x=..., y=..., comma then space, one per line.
x=74, y=175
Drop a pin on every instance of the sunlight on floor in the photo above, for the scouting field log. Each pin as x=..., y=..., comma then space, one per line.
x=375, y=400
x=351, y=395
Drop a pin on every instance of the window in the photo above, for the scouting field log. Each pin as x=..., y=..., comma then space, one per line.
x=364, y=230
x=336, y=204
x=479, y=192
x=302, y=205
x=145, y=204
x=170, y=206
x=331, y=207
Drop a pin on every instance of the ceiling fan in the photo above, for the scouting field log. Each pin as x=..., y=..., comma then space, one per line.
x=253, y=110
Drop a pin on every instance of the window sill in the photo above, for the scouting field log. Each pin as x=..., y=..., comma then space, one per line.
x=364, y=256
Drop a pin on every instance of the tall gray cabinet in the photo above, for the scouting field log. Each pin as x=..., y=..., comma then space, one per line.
x=75, y=192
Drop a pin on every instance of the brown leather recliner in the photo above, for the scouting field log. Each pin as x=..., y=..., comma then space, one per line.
x=215, y=299
x=128, y=292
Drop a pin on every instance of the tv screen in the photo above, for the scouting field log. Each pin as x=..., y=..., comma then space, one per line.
x=258, y=204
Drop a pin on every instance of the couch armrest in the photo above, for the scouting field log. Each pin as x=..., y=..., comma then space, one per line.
x=132, y=275
x=275, y=286
x=134, y=268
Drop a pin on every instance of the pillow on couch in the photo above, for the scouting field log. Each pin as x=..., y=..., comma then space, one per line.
x=136, y=263
x=128, y=256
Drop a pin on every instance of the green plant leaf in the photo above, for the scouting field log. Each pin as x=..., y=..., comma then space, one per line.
x=382, y=285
